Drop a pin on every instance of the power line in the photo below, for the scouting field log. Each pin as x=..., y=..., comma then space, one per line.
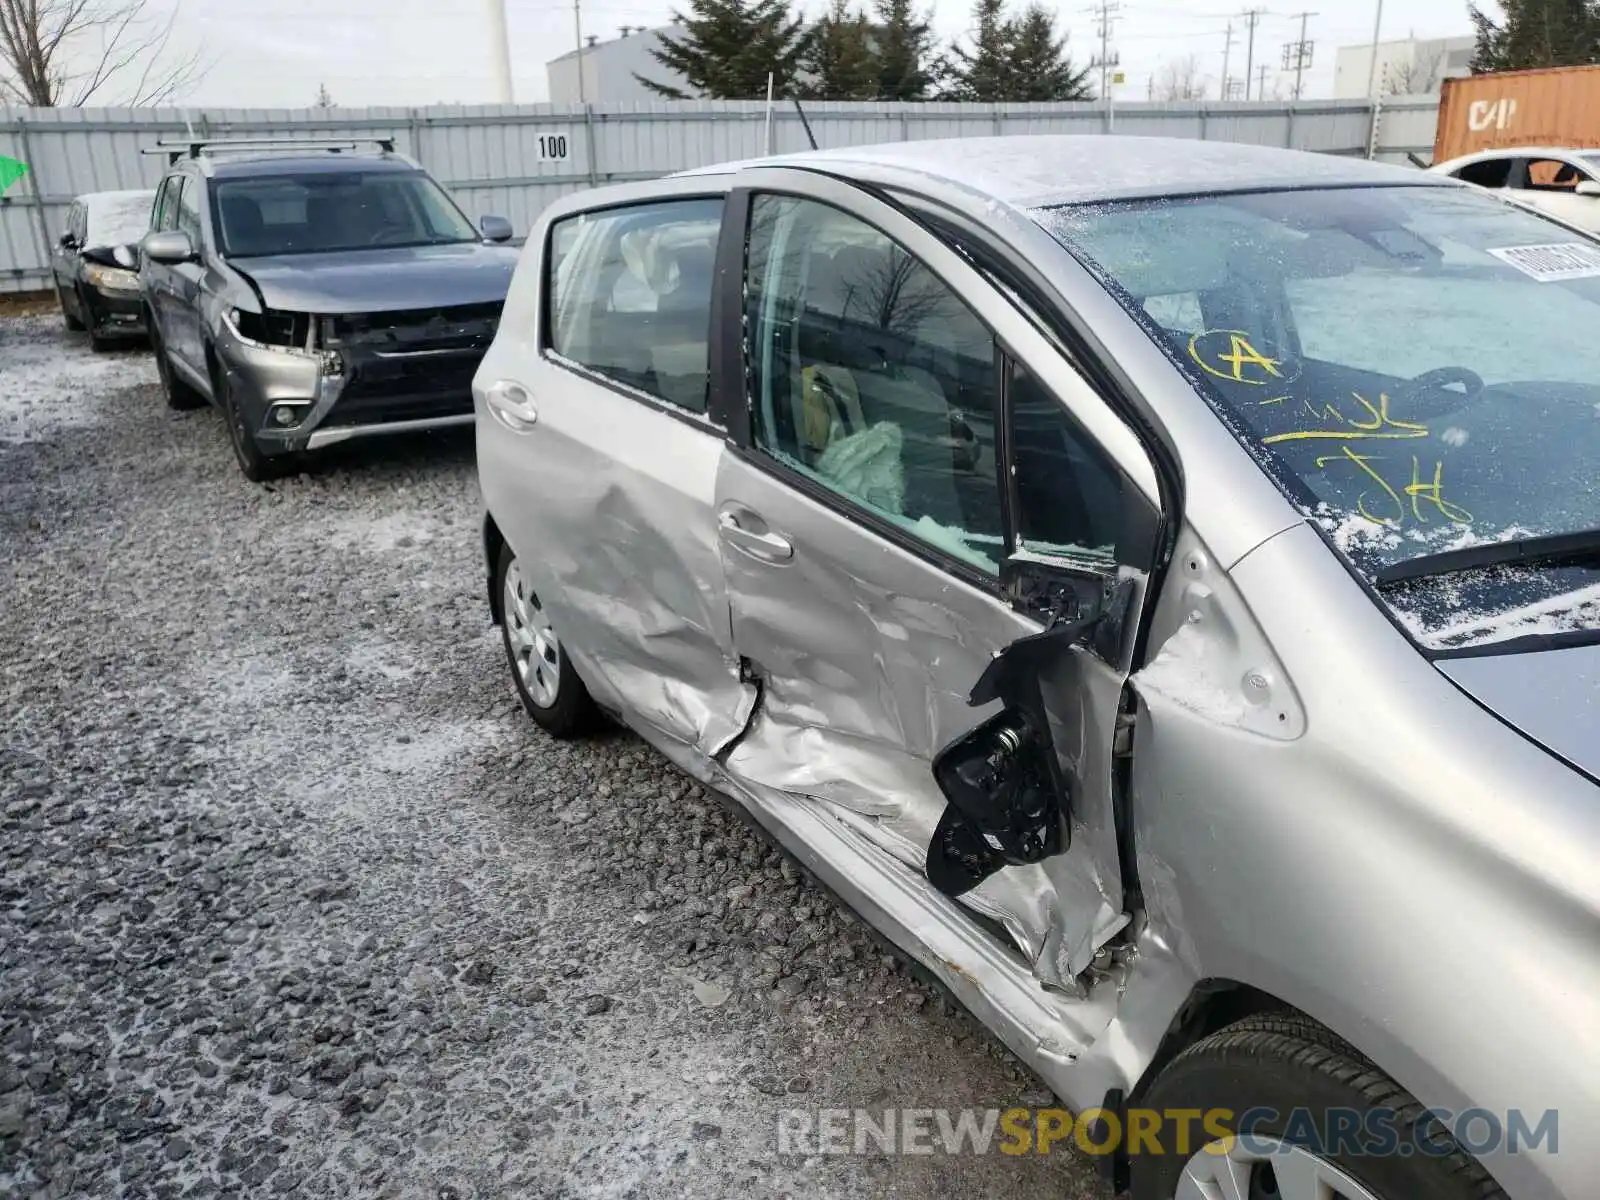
x=1252, y=18
x=1106, y=11
x=1297, y=55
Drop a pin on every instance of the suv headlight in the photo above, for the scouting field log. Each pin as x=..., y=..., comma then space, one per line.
x=111, y=279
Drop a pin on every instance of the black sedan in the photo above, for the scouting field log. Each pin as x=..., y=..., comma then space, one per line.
x=96, y=265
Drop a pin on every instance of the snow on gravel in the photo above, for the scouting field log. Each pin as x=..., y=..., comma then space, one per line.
x=295, y=901
x=48, y=380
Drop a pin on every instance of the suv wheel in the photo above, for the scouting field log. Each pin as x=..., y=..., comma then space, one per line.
x=257, y=467
x=550, y=689
x=178, y=392
x=1309, y=1082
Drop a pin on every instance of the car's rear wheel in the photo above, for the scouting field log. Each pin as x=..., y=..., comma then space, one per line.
x=257, y=467
x=1326, y=1123
x=180, y=395
x=544, y=677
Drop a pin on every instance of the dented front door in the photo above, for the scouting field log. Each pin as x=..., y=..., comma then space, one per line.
x=862, y=532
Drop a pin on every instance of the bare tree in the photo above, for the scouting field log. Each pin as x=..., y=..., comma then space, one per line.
x=1418, y=76
x=324, y=97
x=65, y=53
x=1179, y=79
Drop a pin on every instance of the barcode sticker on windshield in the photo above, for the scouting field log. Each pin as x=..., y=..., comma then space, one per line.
x=1547, y=264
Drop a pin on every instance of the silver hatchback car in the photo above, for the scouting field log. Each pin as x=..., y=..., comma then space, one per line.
x=1156, y=583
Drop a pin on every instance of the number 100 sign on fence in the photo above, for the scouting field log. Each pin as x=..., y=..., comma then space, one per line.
x=553, y=147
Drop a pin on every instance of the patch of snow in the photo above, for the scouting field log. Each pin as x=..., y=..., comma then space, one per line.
x=1183, y=674
x=49, y=381
x=1454, y=436
x=1565, y=613
x=385, y=532
x=1355, y=532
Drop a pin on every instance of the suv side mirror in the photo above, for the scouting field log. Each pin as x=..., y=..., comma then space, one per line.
x=495, y=229
x=168, y=246
x=67, y=241
x=1589, y=187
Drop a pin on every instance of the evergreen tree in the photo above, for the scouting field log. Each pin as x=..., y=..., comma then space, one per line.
x=1041, y=69
x=727, y=49
x=983, y=73
x=1014, y=59
x=907, y=64
x=1537, y=33
x=839, y=62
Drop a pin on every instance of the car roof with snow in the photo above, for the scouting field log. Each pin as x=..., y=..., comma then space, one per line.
x=1032, y=171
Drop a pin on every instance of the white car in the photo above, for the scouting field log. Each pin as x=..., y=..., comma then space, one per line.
x=1562, y=182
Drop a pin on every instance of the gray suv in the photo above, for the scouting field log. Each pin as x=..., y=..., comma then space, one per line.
x=314, y=292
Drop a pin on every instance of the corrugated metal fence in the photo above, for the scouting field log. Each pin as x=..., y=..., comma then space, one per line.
x=514, y=160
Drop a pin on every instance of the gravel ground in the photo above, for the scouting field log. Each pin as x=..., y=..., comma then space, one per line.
x=295, y=901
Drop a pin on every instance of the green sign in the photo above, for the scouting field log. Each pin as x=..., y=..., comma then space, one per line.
x=11, y=170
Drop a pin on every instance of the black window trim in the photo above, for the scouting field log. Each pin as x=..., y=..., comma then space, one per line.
x=705, y=422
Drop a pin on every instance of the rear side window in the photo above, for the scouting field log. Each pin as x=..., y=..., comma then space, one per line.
x=630, y=295
x=1490, y=173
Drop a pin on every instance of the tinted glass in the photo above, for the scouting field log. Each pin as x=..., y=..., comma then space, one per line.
x=1069, y=494
x=1490, y=173
x=321, y=212
x=1419, y=367
x=189, y=209
x=630, y=295
x=872, y=377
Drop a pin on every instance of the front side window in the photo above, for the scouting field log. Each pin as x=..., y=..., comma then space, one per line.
x=1069, y=494
x=189, y=209
x=165, y=216
x=629, y=295
x=871, y=377
x=321, y=212
x=1490, y=173
x=1418, y=367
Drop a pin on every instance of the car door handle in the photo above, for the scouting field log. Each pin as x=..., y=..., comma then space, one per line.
x=770, y=547
x=510, y=404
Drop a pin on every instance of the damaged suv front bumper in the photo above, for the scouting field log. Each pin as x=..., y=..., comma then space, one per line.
x=352, y=377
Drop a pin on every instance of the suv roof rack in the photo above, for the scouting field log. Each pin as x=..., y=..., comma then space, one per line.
x=194, y=148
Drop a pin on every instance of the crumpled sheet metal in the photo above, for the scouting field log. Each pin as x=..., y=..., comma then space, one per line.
x=638, y=580
x=856, y=722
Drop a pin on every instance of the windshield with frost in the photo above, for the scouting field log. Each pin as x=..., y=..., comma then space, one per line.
x=1418, y=367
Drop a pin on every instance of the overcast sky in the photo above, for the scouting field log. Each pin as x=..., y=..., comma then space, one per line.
x=274, y=53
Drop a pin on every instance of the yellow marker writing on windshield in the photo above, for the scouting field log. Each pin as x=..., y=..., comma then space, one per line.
x=1373, y=428
x=1433, y=493
x=1364, y=461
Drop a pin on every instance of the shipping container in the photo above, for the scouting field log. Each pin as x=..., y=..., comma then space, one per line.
x=1559, y=106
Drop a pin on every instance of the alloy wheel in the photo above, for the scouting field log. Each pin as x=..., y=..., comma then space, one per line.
x=1264, y=1168
x=535, y=652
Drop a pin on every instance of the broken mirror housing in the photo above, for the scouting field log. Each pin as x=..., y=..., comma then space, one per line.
x=1008, y=799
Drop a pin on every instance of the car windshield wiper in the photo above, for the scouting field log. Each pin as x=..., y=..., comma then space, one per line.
x=1552, y=549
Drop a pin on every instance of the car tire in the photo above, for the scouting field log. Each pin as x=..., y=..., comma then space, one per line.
x=543, y=675
x=180, y=395
x=257, y=467
x=73, y=324
x=1292, y=1065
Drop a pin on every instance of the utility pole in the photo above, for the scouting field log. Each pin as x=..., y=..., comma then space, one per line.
x=1227, y=54
x=499, y=52
x=1252, y=18
x=1261, y=87
x=1106, y=11
x=577, y=34
x=1297, y=55
x=1372, y=68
